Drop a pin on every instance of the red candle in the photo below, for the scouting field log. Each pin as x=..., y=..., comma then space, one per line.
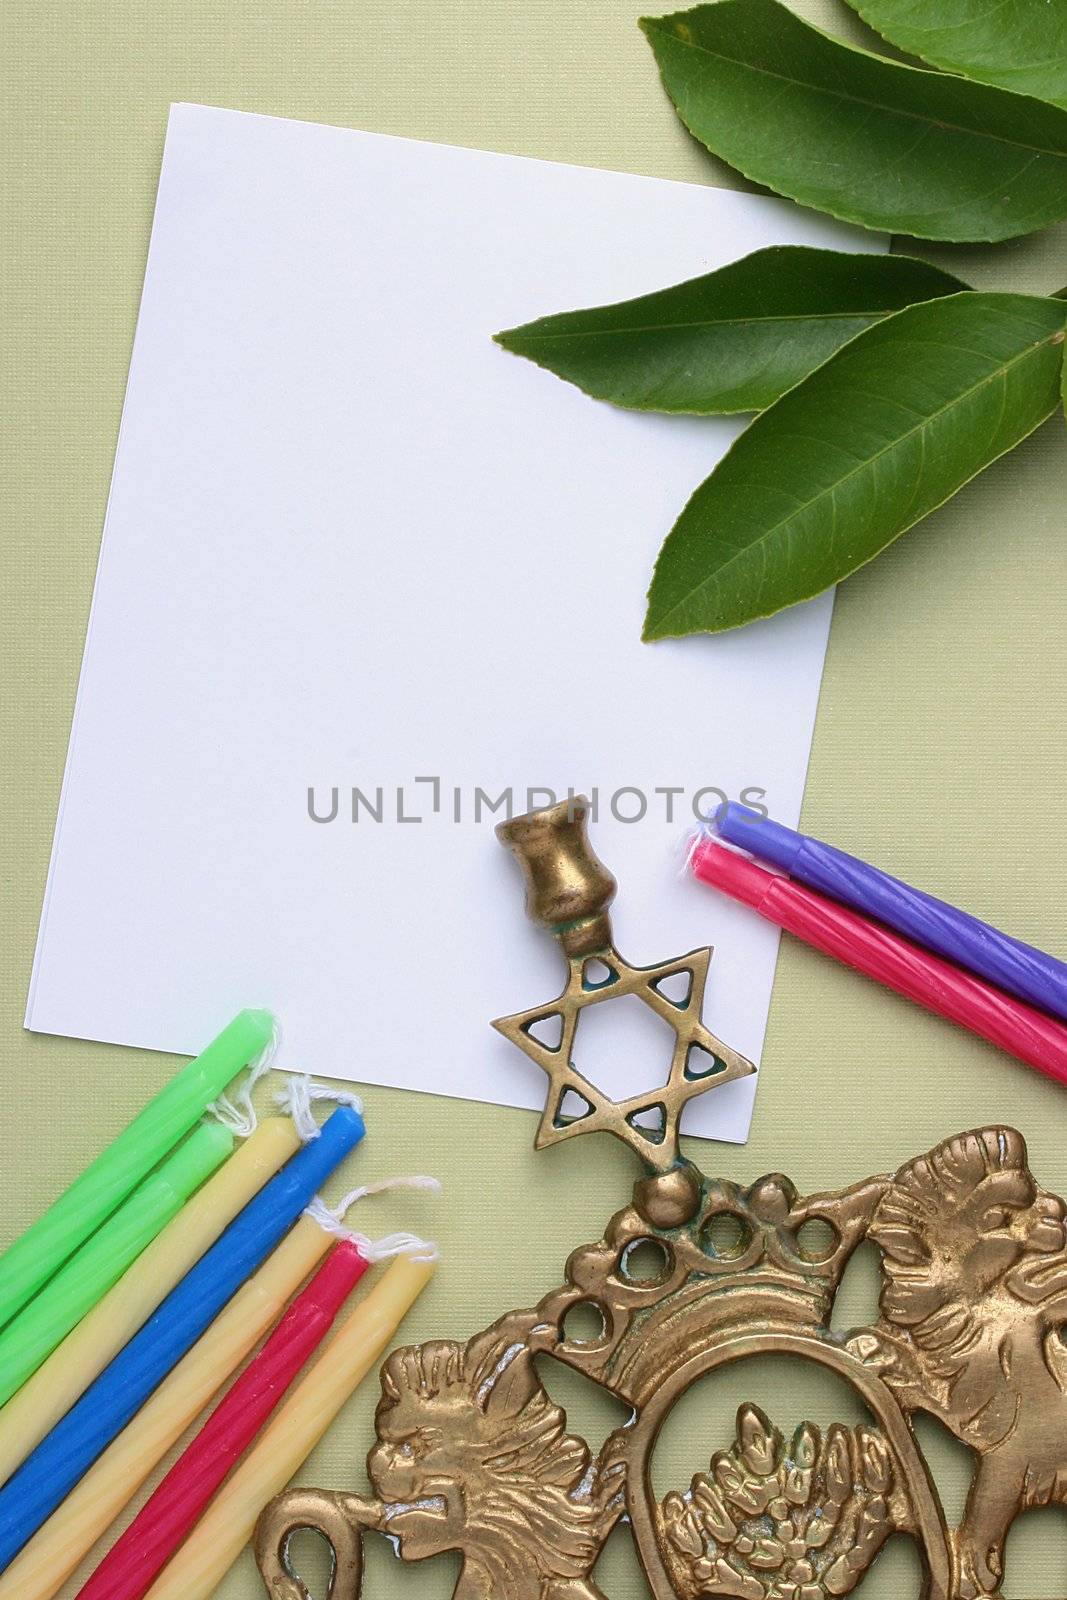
x=131, y=1566
x=886, y=957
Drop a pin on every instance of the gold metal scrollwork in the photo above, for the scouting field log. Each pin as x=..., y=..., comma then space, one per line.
x=472, y=1455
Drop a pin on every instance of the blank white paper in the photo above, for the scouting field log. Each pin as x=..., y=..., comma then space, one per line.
x=365, y=577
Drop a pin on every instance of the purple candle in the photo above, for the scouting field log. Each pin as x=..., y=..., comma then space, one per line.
x=1019, y=968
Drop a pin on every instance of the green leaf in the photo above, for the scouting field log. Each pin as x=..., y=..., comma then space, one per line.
x=865, y=139
x=890, y=427
x=733, y=340
x=1016, y=44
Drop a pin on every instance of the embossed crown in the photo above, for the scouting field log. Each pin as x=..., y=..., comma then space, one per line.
x=692, y=1258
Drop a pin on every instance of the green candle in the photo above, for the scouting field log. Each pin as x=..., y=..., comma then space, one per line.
x=103, y=1258
x=80, y=1210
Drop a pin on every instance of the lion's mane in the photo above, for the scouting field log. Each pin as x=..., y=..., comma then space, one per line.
x=932, y=1292
x=526, y=1480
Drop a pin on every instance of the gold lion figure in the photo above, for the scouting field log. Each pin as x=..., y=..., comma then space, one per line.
x=974, y=1293
x=473, y=1456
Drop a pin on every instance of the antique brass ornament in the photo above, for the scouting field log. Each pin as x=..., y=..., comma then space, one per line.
x=473, y=1456
x=568, y=891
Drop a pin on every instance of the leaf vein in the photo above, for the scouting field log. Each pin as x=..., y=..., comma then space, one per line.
x=745, y=552
x=875, y=105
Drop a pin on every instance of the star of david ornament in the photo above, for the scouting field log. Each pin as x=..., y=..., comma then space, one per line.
x=472, y=1455
x=568, y=892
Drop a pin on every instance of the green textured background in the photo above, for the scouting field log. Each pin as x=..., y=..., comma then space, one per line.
x=940, y=723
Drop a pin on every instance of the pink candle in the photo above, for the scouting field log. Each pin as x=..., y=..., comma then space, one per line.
x=131, y=1566
x=886, y=957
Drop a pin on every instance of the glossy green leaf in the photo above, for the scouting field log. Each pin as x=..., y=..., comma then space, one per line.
x=733, y=340
x=890, y=427
x=865, y=139
x=1016, y=44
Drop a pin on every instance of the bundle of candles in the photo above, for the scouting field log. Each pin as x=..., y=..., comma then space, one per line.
x=136, y=1296
x=945, y=959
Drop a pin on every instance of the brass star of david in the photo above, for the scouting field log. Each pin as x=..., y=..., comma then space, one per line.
x=648, y=1123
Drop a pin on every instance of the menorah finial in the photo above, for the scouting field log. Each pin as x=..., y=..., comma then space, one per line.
x=568, y=888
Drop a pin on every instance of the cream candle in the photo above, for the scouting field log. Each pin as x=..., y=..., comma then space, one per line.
x=113, y=1321
x=50, y=1557
x=229, y=1522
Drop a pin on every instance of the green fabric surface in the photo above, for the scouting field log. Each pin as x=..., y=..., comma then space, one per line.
x=940, y=719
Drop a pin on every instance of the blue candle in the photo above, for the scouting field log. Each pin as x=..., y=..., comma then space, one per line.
x=46, y=1476
x=1027, y=973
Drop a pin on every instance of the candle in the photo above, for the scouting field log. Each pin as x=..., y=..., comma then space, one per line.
x=955, y=935
x=104, y=1257
x=285, y=1444
x=70, y=1533
x=79, y=1211
x=128, y=1569
x=112, y=1323
x=889, y=959
x=61, y=1458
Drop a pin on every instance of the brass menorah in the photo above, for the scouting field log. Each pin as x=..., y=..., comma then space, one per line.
x=472, y=1455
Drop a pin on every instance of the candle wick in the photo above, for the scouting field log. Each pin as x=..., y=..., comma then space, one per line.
x=239, y=1114
x=297, y=1097
x=332, y=1220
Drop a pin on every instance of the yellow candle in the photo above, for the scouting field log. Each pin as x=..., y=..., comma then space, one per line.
x=197, y=1569
x=70, y=1532
x=86, y=1351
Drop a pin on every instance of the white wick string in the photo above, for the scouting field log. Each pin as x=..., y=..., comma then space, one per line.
x=705, y=833
x=239, y=1114
x=297, y=1097
x=331, y=1218
x=701, y=834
